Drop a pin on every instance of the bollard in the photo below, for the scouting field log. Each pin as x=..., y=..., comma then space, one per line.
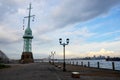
x=88, y=64
x=98, y=64
x=113, y=66
x=75, y=75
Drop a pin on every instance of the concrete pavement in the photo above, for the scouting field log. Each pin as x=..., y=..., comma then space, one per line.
x=45, y=71
x=34, y=71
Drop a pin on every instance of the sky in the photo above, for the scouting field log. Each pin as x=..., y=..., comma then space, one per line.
x=93, y=27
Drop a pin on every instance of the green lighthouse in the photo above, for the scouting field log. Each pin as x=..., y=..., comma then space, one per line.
x=27, y=56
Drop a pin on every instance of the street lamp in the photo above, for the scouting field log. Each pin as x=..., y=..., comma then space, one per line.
x=53, y=53
x=64, y=44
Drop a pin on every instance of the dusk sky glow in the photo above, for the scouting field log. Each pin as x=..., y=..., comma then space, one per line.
x=93, y=27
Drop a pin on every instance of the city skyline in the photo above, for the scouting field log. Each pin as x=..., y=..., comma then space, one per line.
x=91, y=25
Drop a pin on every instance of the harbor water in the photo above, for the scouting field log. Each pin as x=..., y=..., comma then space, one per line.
x=93, y=63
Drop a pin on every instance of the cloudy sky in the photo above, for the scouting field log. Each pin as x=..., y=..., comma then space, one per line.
x=93, y=27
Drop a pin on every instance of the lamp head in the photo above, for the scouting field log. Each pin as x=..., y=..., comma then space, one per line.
x=52, y=52
x=67, y=40
x=60, y=40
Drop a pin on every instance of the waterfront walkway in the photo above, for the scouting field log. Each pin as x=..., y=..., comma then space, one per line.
x=46, y=71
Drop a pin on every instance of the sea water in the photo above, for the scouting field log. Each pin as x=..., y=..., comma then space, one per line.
x=93, y=63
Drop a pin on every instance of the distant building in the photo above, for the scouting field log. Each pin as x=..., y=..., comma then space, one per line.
x=3, y=58
x=98, y=57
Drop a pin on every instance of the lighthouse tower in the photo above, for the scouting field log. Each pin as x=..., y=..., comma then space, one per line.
x=27, y=56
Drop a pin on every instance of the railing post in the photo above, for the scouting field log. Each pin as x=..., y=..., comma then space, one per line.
x=113, y=66
x=77, y=63
x=81, y=63
x=98, y=64
x=88, y=64
x=73, y=62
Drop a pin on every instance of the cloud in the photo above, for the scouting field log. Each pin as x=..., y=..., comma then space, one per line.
x=8, y=7
x=54, y=15
x=53, y=20
x=82, y=32
x=94, y=48
x=58, y=15
x=102, y=52
x=109, y=33
x=74, y=11
x=8, y=36
x=21, y=11
x=42, y=39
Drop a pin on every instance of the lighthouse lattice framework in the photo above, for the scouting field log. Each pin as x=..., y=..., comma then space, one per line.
x=27, y=56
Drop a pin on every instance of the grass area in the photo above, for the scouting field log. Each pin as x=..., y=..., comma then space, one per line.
x=4, y=66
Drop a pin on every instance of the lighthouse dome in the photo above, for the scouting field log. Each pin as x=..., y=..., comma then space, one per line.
x=28, y=33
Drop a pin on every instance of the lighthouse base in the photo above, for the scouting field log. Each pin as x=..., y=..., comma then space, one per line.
x=27, y=57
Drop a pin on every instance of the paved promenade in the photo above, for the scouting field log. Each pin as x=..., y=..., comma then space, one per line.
x=45, y=71
x=34, y=71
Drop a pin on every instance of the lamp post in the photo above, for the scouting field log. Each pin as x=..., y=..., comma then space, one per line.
x=64, y=44
x=53, y=53
x=49, y=58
